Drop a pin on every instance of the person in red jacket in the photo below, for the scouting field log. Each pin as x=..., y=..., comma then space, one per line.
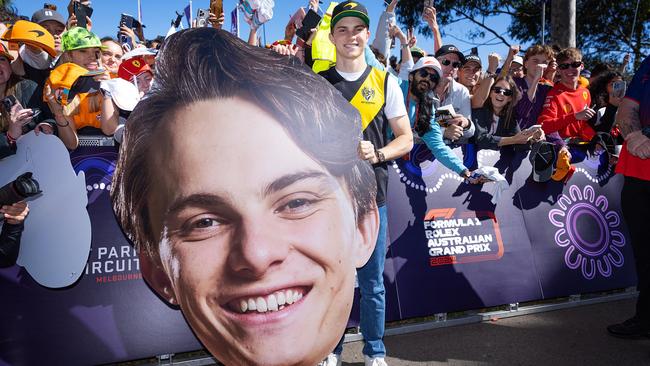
x=567, y=106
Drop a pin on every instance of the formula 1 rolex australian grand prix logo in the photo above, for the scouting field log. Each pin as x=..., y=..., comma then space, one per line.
x=589, y=231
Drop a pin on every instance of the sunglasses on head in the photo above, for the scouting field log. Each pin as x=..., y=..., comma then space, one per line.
x=455, y=64
x=574, y=64
x=433, y=76
x=502, y=91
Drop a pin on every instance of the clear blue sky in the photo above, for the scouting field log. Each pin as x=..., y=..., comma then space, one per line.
x=157, y=15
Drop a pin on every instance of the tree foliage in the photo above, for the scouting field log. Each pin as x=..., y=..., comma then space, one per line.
x=603, y=27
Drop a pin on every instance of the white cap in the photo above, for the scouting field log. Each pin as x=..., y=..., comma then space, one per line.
x=428, y=61
x=124, y=94
x=140, y=51
x=518, y=60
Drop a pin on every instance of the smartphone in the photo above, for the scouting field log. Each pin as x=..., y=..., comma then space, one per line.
x=474, y=51
x=619, y=88
x=427, y=3
x=216, y=7
x=49, y=6
x=127, y=21
x=8, y=102
x=202, y=16
x=534, y=127
x=82, y=11
x=310, y=22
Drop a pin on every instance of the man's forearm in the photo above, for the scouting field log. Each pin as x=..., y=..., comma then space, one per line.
x=627, y=117
x=400, y=146
x=437, y=39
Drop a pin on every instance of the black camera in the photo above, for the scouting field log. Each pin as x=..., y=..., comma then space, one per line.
x=22, y=187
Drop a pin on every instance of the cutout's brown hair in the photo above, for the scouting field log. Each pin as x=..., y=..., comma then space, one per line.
x=205, y=63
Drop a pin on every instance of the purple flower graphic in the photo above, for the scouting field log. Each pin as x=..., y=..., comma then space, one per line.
x=589, y=232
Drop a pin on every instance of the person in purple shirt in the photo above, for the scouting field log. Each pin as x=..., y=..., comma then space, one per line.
x=532, y=87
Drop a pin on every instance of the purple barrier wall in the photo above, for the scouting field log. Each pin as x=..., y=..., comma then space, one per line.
x=451, y=249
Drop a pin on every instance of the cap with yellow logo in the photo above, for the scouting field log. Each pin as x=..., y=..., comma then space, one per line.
x=350, y=9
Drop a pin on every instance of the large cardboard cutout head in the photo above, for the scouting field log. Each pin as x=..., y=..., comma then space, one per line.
x=240, y=184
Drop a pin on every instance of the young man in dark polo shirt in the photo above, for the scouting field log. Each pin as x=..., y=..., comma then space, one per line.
x=380, y=102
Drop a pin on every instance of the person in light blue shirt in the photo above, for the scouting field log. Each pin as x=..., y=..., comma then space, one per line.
x=419, y=99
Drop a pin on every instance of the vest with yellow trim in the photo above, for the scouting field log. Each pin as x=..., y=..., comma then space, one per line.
x=368, y=95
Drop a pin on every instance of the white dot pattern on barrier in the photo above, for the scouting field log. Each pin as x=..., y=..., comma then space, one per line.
x=422, y=187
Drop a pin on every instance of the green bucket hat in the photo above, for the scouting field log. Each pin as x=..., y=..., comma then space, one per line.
x=78, y=38
x=417, y=51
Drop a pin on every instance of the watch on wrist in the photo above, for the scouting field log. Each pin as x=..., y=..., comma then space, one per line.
x=380, y=156
x=492, y=75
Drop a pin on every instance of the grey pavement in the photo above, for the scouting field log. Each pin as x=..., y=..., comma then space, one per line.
x=574, y=336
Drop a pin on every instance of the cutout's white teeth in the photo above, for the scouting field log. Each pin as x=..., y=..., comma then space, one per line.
x=273, y=302
x=261, y=305
x=280, y=297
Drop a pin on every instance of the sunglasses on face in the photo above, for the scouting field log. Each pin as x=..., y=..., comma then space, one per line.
x=574, y=64
x=502, y=91
x=455, y=64
x=433, y=76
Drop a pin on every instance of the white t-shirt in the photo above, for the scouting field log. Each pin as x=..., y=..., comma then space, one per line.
x=394, y=98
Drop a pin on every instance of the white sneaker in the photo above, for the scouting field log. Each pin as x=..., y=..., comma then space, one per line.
x=374, y=361
x=332, y=360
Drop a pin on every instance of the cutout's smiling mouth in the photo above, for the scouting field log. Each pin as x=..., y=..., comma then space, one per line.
x=276, y=301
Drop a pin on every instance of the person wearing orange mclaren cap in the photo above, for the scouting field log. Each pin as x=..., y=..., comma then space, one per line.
x=38, y=52
x=72, y=89
x=27, y=112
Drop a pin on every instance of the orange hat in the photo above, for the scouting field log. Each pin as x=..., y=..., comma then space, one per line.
x=78, y=93
x=132, y=67
x=5, y=52
x=30, y=33
x=62, y=78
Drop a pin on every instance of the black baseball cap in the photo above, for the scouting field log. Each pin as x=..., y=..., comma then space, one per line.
x=350, y=9
x=542, y=157
x=474, y=58
x=450, y=48
x=43, y=15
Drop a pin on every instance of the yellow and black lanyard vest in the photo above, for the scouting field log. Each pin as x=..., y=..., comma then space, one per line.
x=368, y=95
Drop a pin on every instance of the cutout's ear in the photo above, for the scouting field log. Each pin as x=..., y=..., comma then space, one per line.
x=153, y=272
x=330, y=37
x=367, y=231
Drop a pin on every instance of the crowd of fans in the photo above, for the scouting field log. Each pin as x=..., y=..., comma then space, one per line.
x=67, y=81
x=494, y=106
